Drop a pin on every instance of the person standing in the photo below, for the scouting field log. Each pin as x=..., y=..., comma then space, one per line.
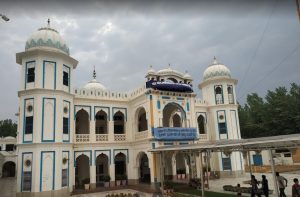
x=265, y=186
x=254, y=186
x=281, y=185
x=296, y=188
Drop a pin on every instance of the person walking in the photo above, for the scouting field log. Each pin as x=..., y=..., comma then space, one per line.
x=265, y=186
x=281, y=185
x=296, y=188
x=254, y=186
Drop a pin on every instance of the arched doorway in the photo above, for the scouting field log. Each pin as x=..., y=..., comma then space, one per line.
x=142, y=120
x=201, y=124
x=82, y=171
x=180, y=165
x=120, y=166
x=82, y=122
x=168, y=166
x=144, y=170
x=9, y=169
x=101, y=122
x=101, y=169
x=171, y=110
x=119, y=123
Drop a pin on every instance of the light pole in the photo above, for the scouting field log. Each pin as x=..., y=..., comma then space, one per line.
x=4, y=17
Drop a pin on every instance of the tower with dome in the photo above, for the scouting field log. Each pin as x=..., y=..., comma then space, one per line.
x=70, y=138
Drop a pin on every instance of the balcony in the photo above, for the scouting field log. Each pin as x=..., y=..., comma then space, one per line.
x=94, y=138
x=203, y=137
x=82, y=138
x=119, y=137
x=101, y=137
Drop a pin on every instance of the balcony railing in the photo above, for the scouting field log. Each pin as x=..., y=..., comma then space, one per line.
x=82, y=138
x=141, y=135
x=120, y=137
x=203, y=137
x=101, y=137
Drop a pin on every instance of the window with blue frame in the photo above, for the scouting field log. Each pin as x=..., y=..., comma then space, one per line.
x=226, y=163
x=222, y=128
x=29, y=125
x=65, y=125
x=30, y=75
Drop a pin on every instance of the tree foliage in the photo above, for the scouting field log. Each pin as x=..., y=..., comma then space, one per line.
x=8, y=128
x=277, y=114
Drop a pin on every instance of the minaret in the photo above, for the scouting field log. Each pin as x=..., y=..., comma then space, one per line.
x=46, y=115
x=218, y=90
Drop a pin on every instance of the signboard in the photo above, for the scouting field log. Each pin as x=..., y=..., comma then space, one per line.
x=169, y=86
x=175, y=133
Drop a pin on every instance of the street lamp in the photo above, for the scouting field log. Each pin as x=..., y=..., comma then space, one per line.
x=4, y=17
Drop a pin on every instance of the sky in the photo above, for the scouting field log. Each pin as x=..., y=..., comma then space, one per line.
x=259, y=41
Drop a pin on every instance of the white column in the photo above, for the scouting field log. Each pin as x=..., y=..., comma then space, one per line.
x=174, y=173
x=112, y=173
x=93, y=176
x=198, y=166
x=111, y=131
x=151, y=166
x=273, y=173
x=202, y=176
x=92, y=131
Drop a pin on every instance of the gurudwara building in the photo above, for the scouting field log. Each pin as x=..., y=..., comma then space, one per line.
x=68, y=137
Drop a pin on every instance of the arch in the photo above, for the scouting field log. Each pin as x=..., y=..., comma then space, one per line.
x=9, y=169
x=171, y=109
x=141, y=119
x=144, y=169
x=102, y=168
x=201, y=124
x=230, y=94
x=176, y=120
x=219, y=95
x=119, y=123
x=120, y=165
x=82, y=171
x=101, y=122
x=173, y=79
x=180, y=164
x=82, y=122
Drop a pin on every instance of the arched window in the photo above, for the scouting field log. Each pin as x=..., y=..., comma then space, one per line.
x=169, y=112
x=119, y=123
x=201, y=124
x=82, y=122
x=230, y=94
x=101, y=122
x=219, y=95
x=176, y=120
x=142, y=120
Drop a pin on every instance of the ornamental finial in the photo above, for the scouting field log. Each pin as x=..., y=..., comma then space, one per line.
x=215, y=60
x=48, y=21
x=94, y=73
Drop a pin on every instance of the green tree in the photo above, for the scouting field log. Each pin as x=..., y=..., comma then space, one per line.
x=8, y=128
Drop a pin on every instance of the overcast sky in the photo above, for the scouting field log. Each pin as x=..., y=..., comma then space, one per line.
x=258, y=41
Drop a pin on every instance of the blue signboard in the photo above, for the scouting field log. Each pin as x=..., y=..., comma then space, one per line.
x=175, y=133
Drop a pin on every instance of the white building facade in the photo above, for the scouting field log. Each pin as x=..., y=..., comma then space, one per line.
x=68, y=137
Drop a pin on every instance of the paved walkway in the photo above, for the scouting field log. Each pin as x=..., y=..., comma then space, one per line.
x=8, y=187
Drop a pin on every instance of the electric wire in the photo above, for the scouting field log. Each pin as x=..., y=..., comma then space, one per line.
x=258, y=46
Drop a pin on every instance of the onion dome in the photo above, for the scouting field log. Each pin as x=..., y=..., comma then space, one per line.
x=216, y=70
x=187, y=75
x=151, y=71
x=47, y=38
x=94, y=84
x=169, y=71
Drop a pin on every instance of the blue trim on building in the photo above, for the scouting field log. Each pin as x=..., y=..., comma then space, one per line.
x=224, y=121
x=54, y=120
x=127, y=156
x=187, y=106
x=236, y=124
x=166, y=97
x=118, y=108
x=180, y=98
x=24, y=121
x=69, y=80
x=158, y=104
x=168, y=143
x=82, y=106
x=83, y=151
x=101, y=107
x=69, y=125
x=44, y=62
x=68, y=168
x=25, y=81
x=109, y=155
x=22, y=172
x=53, y=170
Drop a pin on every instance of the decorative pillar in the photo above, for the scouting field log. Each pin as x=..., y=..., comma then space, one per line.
x=93, y=176
x=198, y=166
x=174, y=170
x=92, y=131
x=187, y=170
x=273, y=173
x=110, y=131
x=112, y=173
